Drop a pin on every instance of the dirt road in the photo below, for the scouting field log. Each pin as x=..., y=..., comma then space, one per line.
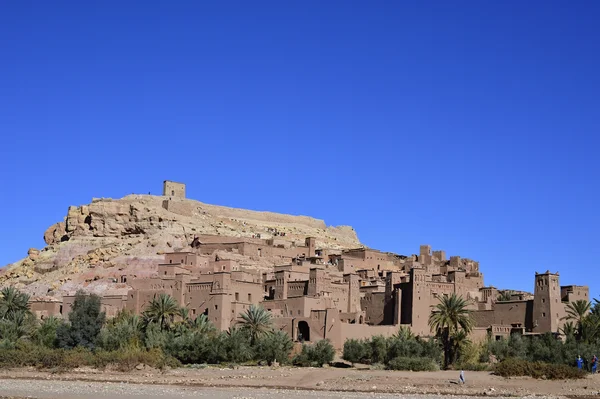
x=243, y=380
x=97, y=390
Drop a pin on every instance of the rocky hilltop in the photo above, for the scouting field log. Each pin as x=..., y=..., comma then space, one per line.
x=98, y=242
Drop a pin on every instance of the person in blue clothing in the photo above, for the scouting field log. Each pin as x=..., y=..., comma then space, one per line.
x=594, y=364
x=579, y=362
x=461, y=377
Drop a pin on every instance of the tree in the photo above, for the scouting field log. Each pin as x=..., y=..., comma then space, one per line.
x=505, y=295
x=13, y=301
x=257, y=322
x=16, y=325
x=162, y=310
x=450, y=316
x=568, y=329
x=46, y=333
x=459, y=341
x=85, y=322
x=578, y=311
x=274, y=347
x=201, y=325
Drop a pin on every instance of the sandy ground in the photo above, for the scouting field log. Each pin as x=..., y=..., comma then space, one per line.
x=107, y=390
x=303, y=380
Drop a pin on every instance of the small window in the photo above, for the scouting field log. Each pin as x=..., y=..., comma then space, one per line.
x=193, y=311
x=543, y=314
x=216, y=307
x=237, y=296
x=173, y=193
x=543, y=300
x=298, y=311
x=60, y=308
x=249, y=297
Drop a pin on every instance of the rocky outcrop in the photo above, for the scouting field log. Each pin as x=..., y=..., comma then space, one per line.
x=96, y=243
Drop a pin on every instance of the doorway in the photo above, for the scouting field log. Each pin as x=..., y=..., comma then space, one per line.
x=303, y=331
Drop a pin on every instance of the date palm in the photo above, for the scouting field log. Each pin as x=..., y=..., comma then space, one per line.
x=450, y=316
x=201, y=325
x=162, y=310
x=568, y=329
x=578, y=311
x=256, y=321
x=13, y=301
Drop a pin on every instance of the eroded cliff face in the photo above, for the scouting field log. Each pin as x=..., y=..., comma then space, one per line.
x=97, y=243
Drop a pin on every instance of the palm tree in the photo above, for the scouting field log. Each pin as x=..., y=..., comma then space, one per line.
x=201, y=325
x=184, y=313
x=450, y=316
x=505, y=296
x=257, y=322
x=578, y=312
x=458, y=342
x=17, y=325
x=568, y=329
x=404, y=334
x=13, y=301
x=162, y=310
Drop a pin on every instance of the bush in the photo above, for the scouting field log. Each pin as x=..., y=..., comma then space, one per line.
x=118, y=336
x=520, y=368
x=413, y=364
x=356, y=351
x=315, y=355
x=276, y=346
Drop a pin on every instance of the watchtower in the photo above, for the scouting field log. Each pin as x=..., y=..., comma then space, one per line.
x=546, y=303
x=173, y=189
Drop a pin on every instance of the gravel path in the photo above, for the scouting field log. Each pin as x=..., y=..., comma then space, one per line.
x=95, y=390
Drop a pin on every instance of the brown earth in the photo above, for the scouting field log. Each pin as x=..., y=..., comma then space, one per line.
x=97, y=243
x=333, y=379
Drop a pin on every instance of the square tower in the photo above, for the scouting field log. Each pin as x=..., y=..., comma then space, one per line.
x=173, y=189
x=546, y=303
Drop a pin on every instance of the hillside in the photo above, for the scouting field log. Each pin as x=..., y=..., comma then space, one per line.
x=98, y=242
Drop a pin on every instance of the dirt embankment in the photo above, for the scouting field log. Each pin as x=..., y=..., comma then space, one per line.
x=333, y=379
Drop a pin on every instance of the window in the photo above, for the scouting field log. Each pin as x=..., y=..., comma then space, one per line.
x=173, y=193
x=216, y=307
x=237, y=296
x=298, y=311
x=543, y=300
x=249, y=297
x=60, y=308
x=193, y=311
x=543, y=314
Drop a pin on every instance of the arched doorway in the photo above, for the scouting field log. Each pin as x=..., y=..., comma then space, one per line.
x=303, y=331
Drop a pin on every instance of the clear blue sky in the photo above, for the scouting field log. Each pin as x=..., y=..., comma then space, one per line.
x=471, y=126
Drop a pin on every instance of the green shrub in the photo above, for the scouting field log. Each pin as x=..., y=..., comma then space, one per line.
x=512, y=367
x=315, y=355
x=379, y=349
x=45, y=335
x=356, y=351
x=276, y=346
x=413, y=364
